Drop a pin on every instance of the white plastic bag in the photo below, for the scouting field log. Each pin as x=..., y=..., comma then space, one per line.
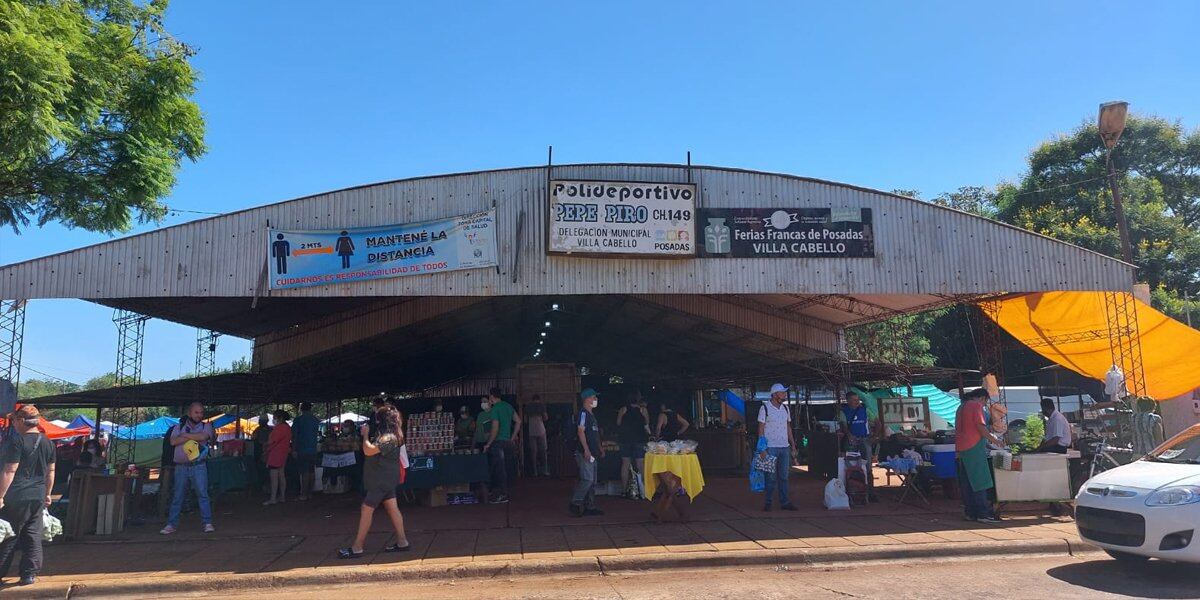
x=835, y=495
x=6, y=530
x=51, y=526
x=318, y=479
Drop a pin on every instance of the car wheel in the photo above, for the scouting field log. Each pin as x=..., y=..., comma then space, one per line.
x=1127, y=557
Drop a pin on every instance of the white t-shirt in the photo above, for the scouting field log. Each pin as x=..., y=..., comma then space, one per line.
x=1057, y=426
x=776, y=419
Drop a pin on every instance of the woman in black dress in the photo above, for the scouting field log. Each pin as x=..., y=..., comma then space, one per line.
x=381, y=475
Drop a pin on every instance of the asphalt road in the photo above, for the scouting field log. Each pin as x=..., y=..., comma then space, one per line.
x=1028, y=577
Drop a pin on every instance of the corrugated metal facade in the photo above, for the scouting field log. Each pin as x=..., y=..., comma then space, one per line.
x=920, y=248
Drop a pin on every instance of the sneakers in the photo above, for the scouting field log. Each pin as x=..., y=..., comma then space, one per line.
x=28, y=579
x=788, y=507
x=592, y=512
x=989, y=520
x=168, y=530
x=498, y=499
x=208, y=528
x=575, y=510
x=766, y=508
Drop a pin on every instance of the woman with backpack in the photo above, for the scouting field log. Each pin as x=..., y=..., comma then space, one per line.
x=382, y=472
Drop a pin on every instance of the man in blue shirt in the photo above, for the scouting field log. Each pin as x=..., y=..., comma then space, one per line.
x=304, y=446
x=857, y=426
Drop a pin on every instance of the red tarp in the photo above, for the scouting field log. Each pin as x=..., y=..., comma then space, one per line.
x=53, y=431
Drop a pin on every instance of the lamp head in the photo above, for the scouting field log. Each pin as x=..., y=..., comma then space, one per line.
x=1112, y=122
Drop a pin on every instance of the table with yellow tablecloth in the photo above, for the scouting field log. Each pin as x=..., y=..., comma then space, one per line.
x=684, y=466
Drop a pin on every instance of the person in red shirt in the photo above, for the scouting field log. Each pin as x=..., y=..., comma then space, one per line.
x=279, y=446
x=974, y=475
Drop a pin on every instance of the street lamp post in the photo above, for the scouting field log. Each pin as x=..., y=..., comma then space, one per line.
x=1112, y=123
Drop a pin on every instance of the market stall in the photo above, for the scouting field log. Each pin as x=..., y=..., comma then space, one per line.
x=435, y=466
x=1035, y=477
x=672, y=469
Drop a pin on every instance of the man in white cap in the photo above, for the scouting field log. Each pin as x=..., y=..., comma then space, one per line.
x=775, y=424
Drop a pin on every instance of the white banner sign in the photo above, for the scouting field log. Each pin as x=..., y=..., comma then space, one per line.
x=617, y=218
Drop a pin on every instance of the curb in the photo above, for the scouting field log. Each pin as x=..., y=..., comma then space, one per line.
x=334, y=576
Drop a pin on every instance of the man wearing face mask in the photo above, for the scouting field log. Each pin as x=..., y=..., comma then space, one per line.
x=464, y=428
x=583, y=499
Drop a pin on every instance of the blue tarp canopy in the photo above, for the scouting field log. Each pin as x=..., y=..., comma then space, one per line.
x=154, y=428
x=221, y=421
x=733, y=401
x=942, y=405
x=82, y=421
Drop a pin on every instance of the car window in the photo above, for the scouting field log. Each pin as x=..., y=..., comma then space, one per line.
x=1184, y=448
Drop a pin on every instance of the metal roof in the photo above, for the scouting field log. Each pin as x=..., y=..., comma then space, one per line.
x=701, y=322
x=921, y=249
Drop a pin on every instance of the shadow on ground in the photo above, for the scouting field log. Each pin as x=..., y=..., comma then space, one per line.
x=1154, y=579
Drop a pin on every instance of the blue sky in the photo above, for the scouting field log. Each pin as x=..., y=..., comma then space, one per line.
x=305, y=97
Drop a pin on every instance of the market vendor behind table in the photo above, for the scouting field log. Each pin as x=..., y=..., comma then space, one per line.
x=861, y=435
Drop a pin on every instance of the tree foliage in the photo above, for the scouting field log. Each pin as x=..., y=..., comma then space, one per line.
x=95, y=112
x=1065, y=195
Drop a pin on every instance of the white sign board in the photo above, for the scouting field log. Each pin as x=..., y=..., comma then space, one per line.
x=619, y=218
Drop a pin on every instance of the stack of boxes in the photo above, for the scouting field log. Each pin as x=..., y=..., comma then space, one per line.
x=430, y=433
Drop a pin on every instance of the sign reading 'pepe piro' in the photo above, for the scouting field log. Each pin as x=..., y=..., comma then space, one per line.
x=611, y=218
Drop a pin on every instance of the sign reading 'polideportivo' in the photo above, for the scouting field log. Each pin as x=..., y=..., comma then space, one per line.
x=321, y=257
x=787, y=233
x=611, y=218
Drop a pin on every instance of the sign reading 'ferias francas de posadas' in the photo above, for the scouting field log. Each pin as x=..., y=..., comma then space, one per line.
x=786, y=233
x=619, y=218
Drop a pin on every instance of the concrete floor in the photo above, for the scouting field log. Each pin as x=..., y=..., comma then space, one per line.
x=1033, y=577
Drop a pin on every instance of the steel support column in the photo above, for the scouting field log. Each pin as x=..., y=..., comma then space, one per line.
x=131, y=329
x=206, y=352
x=1124, y=340
x=12, y=335
x=988, y=344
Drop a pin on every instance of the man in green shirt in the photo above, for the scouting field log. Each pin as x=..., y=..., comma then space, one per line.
x=483, y=423
x=500, y=445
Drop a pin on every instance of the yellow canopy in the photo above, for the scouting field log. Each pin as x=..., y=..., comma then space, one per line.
x=230, y=428
x=1058, y=325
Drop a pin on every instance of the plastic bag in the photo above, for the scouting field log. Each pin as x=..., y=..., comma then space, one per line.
x=318, y=479
x=835, y=495
x=6, y=530
x=758, y=481
x=51, y=526
x=765, y=463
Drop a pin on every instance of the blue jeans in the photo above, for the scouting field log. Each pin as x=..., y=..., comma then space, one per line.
x=584, y=495
x=783, y=464
x=975, y=503
x=197, y=475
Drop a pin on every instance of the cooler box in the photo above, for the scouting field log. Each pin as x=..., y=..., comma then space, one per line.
x=942, y=457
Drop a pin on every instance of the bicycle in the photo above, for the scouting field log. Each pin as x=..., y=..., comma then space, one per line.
x=1102, y=458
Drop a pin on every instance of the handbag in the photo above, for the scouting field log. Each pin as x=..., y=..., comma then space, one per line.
x=764, y=463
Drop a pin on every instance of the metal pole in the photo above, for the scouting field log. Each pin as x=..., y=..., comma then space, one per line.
x=1187, y=308
x=1119, y=206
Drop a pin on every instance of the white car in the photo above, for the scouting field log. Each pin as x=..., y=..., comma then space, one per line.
x=1149, y=508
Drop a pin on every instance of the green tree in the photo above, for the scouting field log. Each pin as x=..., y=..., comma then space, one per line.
x=100, y=382
x=973, y=199
x=95, y=112
x=1065, y=195
x=37, y=388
